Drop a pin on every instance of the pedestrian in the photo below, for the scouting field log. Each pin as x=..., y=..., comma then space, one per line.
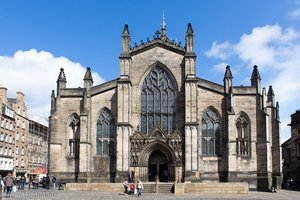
x=125, y=184
x=47, y=181
x=2, y=186
x=9, y=183
x=139, y=187
x=53, y=180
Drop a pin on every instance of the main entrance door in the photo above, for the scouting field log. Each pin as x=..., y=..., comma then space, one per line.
x=158, y=167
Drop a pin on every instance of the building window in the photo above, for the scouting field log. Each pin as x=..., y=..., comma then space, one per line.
x=22, y=152
x=1, y=150
x=6, y=138
x=158, y=102
x=243, y=135
x=23, y=137
x=17, y=150
x=23, y=125
x=2, y=136
x=17, y=136
x=18, y=122
x=106, y=131
x=210, y=133
x=74, y=137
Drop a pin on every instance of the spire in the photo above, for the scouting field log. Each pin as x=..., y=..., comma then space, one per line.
x=88, y=80
x=271, y=95
x=227, y=79
x=189, y=30
x=163, y=28
x=62, y=76
x=52, y=94
x=125, y=40
x=255, y=79
x=255, y=73
x=61, y=81
x=189, y=39
x=88, y=75
x=228, y=74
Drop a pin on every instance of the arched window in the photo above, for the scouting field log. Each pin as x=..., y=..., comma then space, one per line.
x=210, y=133
x=106, y=134
x=243, y=135
x=158, y=102
x=74, y=137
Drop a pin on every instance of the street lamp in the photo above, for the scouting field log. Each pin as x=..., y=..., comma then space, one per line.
x=178, y=164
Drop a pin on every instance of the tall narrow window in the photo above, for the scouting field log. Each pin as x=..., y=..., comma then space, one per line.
x=158, y=102
x=210, y=133
x=106, y=131
x=74, y=137
x=243, y=135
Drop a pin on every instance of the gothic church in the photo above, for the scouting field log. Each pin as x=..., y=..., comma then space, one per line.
x=158, y=121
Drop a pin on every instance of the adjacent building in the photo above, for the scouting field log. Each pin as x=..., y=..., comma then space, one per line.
x=23, y=140
x=291, y=154
x=37, y=148
x=158, y=120
x=7, y=134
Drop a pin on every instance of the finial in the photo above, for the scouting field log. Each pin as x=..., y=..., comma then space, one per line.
x=163, y=28
x=163, y=24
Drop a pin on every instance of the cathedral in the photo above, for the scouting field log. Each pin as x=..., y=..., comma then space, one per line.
x=158, y=121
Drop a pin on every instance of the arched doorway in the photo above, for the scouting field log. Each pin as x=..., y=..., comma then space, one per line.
x=157, y=159
x=158, y=167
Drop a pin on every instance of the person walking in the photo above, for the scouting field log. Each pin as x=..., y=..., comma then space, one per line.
x=9, y=183
x=139, y=187
x=53, y=180
x=125, y=184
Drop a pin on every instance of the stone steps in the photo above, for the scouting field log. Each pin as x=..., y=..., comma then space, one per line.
x=165, y=188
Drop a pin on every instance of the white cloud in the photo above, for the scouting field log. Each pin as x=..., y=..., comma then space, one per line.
x=221, y=51
x=276, y=51
x=295, y=14
x=220, y=67
x=35, y=73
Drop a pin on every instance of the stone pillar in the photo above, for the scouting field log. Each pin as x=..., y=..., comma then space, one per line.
x=123, y=129
x=191, y=127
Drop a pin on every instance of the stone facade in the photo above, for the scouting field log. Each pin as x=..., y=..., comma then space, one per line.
x=158, y=121
x=37, y=148
x=291, y=155
x=14, y=134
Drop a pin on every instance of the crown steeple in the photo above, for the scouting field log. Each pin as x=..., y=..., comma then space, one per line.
x=163, y=28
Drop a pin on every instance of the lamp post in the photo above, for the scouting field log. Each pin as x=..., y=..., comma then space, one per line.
x=178, y=164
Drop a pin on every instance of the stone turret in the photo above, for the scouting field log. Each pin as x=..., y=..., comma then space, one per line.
x=61, y=81
x=271, y=96
x=255, y=79
x=125, y=40
x=227, y=79
x=125, y=58
x=53, y=102
x=88, y=80
x=190, y=56
x=189, y=38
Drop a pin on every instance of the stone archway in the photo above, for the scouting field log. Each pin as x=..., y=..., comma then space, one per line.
x=158, y=160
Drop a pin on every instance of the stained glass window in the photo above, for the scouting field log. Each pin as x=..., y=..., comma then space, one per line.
x=210, y=133
x=158, y=102
x=105, y=133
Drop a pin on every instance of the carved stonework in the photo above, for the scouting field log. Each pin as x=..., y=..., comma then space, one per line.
x=139, y=141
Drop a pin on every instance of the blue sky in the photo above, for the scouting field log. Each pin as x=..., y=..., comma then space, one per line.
x=37, y=37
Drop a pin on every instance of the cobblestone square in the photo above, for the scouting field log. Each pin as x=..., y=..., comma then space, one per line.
x=54, y=194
